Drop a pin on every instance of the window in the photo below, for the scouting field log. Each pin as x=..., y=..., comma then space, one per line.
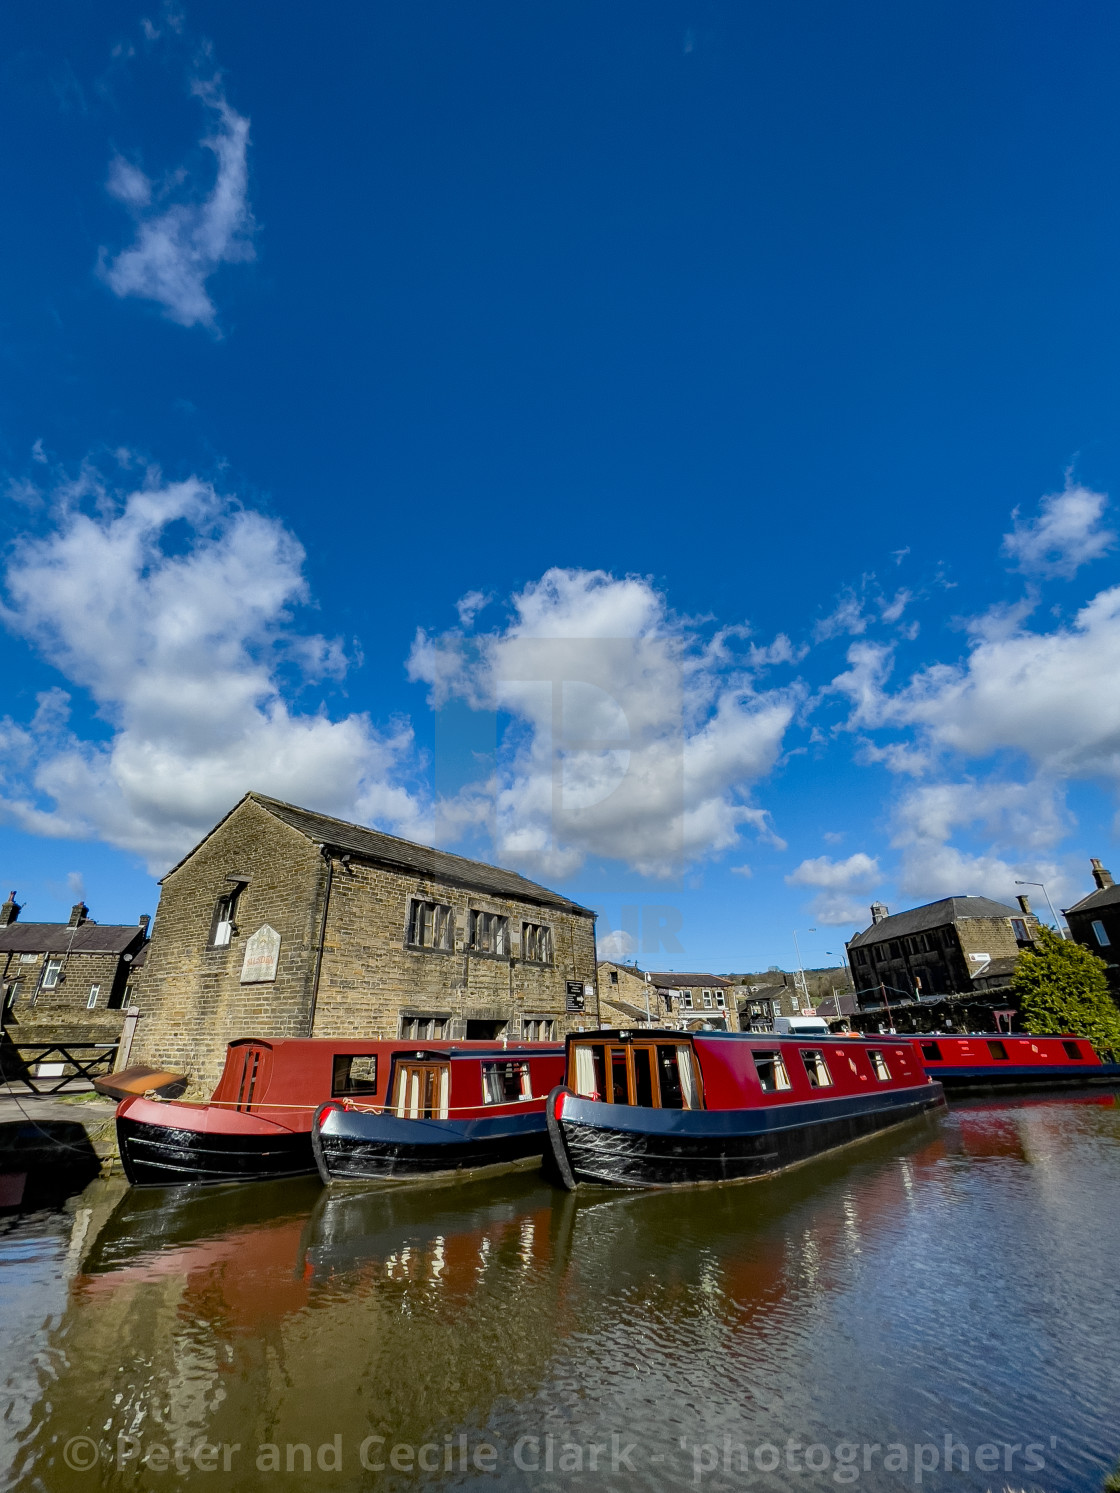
x=489, y=933
x=686, y=1000
x=424, y=1028
x=538, y=1028
x=591, y=1071
x=721, y=1000
x=94, y=992
x=29, y=958
x=998, y=1051
x=536, y=943
x=931, y=1052
x=223, y=925
x=505, y=1083
x=614, y=976
x=816, y=1067
x=354, y=1073
x=52, y=972
x=707, y=994
x=1073, y=1051
x=1101, y=936
x=878, y=1064
x=1019, y=928
x=771, y=1070
x=430, y=926
x=13, y=994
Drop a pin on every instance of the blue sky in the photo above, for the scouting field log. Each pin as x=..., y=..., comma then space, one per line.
x=732, y=389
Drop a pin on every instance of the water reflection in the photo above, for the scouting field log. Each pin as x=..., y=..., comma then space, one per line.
x=913, y=1285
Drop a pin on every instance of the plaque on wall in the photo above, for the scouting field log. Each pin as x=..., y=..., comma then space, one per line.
x=262, y=955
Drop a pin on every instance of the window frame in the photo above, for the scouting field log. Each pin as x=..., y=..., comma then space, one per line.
x=431, y=1019
x=495, y=939
x=442, y=925
x=349, y=1089
x=812, y=1071
x=93, y=997
x=538, y=1021
x=1100, y=933
x=537, y=936
x=225, y=917
x=52, y=972
x=880, y=1068
x=523, y=1078
x=772, y=1055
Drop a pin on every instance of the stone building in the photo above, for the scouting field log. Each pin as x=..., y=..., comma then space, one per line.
x=943, y=948
x=626, y=995
x=695, y=1000
x=68, y=982
x=287, y=923
x=1095, y=922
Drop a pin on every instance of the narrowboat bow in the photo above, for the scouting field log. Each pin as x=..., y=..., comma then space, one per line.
x=998, y=1062
x=664, y=1109
x=445, y=1110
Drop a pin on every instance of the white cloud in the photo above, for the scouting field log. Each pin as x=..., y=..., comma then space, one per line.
x=470, y=605
x=616, y=945
x=1066, y=534
x=632, y=738
x=180, y=651
x=744, y=871
x=180, y=243
x=780, y=651
x=837, y=909
x=846, y=617
x=891, y=611
x=859, y=871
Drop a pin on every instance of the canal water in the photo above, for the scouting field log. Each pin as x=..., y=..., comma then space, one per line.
x=943, y=1295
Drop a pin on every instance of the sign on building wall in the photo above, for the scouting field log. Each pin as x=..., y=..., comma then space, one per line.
x=262, y=955
x=575, y=998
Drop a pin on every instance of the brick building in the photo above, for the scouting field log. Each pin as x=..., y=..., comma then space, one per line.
x=286, y=923
x=1095, y=922
x=957, y=949
x=68, y=982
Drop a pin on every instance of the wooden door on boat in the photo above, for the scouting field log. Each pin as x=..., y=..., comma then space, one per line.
x=256, y=1069
x=422, y=1091
x=646, y=1073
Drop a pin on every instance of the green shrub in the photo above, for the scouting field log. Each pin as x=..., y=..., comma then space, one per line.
x=1062, y=987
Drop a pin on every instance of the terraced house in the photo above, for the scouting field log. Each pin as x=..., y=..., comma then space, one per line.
x=287, y=923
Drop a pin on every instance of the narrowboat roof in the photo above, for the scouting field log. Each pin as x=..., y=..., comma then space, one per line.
x=360, y=1046
x=800, y=1039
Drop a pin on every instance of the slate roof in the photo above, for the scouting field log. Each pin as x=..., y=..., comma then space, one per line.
x=933, y=915
x=54, y=938
x=667, y=980
x=1106, y=896
x=389, y=850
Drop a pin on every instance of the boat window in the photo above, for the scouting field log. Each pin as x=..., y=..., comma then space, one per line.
x=998, y=1051
x=931, y=1052
x=591, y=1072
x=354, y=1073
x=771, y=1070
x=620, y=1092
x=669, y=1076
x=1073, y=1051
x=643, y=1077
x=688, y=1077
x=248, y=1077
x=816, y=1067
x=422, y=1091
x=504, y=1083
x=878, y=1064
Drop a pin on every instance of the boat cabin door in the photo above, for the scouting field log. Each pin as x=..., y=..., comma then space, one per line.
x=422, y=1091
x=256, y=1069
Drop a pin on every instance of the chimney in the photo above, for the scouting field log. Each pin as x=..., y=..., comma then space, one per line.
x=878, y=912
x=1025, y=903
x=1102, y=877
x=9, y=911
x=78, y=915
x=144, y=921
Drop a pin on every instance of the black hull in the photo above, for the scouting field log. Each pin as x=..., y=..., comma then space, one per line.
x=366, y=1158
x=166, y=1156
x=614, y=1157
x=1026, y=1080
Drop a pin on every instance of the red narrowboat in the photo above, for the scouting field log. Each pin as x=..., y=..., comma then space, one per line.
x=442, y=1109
x=999, y=1062
x=257, y=1123
x=664, y=1109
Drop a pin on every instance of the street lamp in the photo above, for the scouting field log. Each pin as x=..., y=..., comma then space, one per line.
x=1050, y=905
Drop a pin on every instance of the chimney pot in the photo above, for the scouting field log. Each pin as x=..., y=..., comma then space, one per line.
x=1025, y=903
x=1102, y=877
x=145, y=919
x=9, y=911
x=879, y=912
x=78, y=915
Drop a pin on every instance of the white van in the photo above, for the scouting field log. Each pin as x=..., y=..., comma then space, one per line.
x=802, y=1026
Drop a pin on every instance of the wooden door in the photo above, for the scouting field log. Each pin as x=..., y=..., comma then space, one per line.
x=422, y=1091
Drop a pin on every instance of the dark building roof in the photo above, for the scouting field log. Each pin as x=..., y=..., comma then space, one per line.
x=1107, y=896
x=420, y=860
x=55, y=938
x=933, y=915
x=667, y=980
